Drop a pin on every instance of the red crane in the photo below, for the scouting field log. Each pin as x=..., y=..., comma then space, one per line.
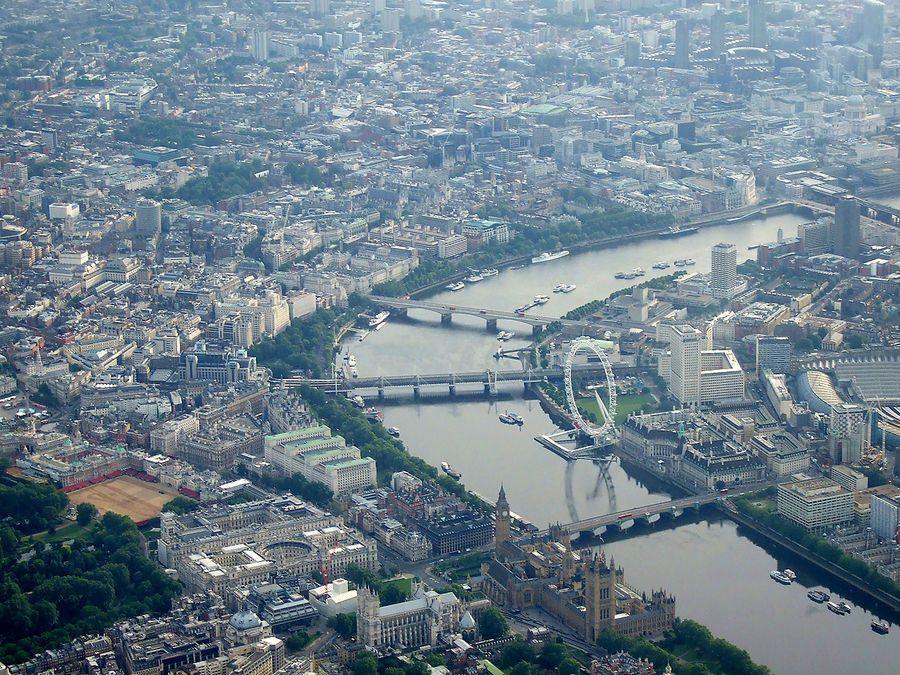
x=326, y=572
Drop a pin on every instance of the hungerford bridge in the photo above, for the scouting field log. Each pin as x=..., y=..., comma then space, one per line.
x=419, y=384
x=603, y=434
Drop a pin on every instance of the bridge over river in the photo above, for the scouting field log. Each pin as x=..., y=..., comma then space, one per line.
x=446, y=310
x=488, y=379
x=622, y=520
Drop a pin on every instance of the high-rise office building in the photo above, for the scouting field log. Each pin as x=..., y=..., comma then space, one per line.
x=773, y=353
x=845, y=231
x=148, y=217
x=717, y=33
x=886, y=517
x=723, y=278
x=873, y=21
x=872, y=29
x=682, y=44
x=685, y=373
x=632, y=51
x=390, y=20
x=814, y=237
x=756, y=20
x=319, y=8
x=259, y=45
x=849, y=429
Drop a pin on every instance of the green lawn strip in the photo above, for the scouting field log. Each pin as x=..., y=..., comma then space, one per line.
x=625, y=405
x=403, y=583
x=70, y=531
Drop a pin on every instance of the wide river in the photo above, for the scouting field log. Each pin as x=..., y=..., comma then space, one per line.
x=718, y=572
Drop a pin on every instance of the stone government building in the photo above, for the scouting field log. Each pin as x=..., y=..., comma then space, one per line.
x=577, y=587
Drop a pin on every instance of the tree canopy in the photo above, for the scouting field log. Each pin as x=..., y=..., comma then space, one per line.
x=62, y=592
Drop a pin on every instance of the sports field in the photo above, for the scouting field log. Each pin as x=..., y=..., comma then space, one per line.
x=127, y=496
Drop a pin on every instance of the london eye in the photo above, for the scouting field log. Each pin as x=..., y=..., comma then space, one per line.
x=605, y=425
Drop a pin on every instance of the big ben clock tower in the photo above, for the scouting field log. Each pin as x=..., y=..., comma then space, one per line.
x=501, y=524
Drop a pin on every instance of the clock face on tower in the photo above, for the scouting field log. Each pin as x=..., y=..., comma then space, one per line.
x=504, y=513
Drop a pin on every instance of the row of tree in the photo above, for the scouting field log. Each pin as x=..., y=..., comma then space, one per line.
x=686, y=633
x=305, y=345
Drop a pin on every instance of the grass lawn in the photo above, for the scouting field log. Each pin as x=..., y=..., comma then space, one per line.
x=403, y=583
x=71, y=530
x=625, y=405
x=462, y=566
x=769, y=505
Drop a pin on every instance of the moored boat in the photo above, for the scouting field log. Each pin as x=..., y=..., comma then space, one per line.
x=457, y=286
x=638, y=271
x=845, y=608
x=517, y=418
x=880, y=627
x=818, y=596
x=790, y=574
x=676, y=231
x=690, y=261
x=489, y=272
x=568, y=288
x=541, y=299
x=450, y=471
x=373, y=414
x=358, y=401
x=558, y=288
x=546, y=256
x=836, y=608
x=378, y=319
x=473, y=278
x=661, y=265
x=780, y=577
x=506, y=418
x=394, y=431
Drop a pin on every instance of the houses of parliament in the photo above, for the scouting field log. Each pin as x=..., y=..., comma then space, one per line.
x=580, y=588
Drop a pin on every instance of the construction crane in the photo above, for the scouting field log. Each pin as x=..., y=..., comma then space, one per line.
x=326, y=571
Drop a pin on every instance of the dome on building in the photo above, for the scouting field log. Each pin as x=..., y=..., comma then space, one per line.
x=244, y=620
x=856, y=100
x=467, y=622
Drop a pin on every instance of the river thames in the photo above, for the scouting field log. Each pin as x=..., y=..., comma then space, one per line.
x=718, y=572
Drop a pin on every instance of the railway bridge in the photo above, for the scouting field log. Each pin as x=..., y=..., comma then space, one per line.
x=488, y=379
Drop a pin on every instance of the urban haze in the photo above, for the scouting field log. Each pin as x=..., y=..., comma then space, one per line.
x=420, y=337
